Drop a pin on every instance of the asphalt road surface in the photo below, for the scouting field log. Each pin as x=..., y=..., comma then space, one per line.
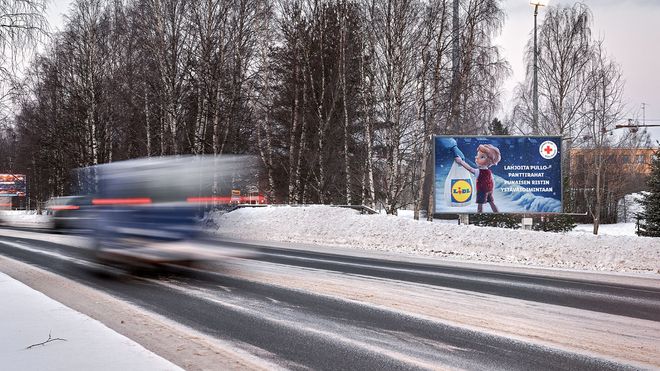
x=307, y=320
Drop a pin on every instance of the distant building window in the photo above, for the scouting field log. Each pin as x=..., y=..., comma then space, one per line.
x=640, y=159
x=625, y=159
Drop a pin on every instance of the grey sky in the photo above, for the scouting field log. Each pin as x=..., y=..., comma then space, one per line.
x=628, y=28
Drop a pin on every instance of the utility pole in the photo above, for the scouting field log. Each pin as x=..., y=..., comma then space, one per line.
x=643, y=113
x=535, y=129
x=535, y=93
x=455, y=60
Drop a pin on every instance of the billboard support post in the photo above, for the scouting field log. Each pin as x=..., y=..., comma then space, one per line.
x=464, y=219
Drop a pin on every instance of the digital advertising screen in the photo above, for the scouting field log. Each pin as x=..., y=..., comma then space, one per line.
x=12, y=185
x=497, y=174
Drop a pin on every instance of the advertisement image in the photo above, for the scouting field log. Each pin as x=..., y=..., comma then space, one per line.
x=497, y=174
x=12, y=185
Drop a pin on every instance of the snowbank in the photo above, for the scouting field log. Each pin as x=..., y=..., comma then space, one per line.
x=24, y=218
x=347, y=228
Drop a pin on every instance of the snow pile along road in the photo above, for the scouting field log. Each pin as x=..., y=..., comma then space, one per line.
x=332, y=226
x=23, y=218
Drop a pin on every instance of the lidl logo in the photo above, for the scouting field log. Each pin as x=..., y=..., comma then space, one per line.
x=461, y=190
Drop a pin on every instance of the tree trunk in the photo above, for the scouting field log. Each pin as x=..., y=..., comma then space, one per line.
x=293, y=174
x=369, y=197
x=301, y=144
x=216, y=120
x=342, y=74
x=599, y=194
x=147, y=120
x=200, y=121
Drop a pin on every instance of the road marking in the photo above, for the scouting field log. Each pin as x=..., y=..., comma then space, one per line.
x=50, y=253
x=299, y=326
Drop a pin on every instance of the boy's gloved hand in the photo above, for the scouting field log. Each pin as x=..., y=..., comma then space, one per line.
x=451, y=145
x=457, y=152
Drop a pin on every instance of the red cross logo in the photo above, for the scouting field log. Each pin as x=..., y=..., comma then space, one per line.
x=548, y=149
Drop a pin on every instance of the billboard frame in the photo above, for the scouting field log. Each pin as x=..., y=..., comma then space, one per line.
x=534, y=213
x=16, y=177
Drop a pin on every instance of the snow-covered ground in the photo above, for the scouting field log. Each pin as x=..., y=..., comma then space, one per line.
x=617, y=229
x=30, y=317
x=340, y=227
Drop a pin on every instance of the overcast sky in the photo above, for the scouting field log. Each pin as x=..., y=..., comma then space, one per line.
x=628, y=27
x=631, y=35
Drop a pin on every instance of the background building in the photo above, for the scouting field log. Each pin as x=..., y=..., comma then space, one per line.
x=625, y=171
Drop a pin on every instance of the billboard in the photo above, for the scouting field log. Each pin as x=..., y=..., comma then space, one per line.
x=12, y=185
x=497, y=174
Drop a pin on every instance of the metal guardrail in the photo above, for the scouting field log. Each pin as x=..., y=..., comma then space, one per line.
x=363, y=209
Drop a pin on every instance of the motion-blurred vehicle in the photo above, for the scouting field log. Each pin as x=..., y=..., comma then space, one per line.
x=69, y=212
x=146, y=211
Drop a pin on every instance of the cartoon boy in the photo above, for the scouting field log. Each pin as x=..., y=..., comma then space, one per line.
x=487, y=156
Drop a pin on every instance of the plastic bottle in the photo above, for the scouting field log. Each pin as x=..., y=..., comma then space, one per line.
x=459, y=187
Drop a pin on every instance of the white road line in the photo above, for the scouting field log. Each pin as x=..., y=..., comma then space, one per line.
x=53, y=254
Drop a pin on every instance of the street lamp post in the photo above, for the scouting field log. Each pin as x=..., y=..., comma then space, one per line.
x=535, y=128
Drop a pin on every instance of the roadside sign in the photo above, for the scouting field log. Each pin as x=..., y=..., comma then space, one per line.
x=497, y=174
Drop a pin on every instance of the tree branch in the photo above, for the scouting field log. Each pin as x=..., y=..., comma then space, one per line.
x=45, y=342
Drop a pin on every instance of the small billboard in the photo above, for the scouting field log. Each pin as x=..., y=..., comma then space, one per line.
x=497, y=174
x=13, y=185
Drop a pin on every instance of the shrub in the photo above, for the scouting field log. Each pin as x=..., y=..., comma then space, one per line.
x=554, y=223
x=496, y=220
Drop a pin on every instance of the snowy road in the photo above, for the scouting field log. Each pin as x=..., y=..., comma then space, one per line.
x=595, y=296
x=307, y=309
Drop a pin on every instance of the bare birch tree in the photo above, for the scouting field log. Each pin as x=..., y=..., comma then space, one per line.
x=431, y=76
x=603, y=109
x=397, y=24
x=22, y=26
x=263, y=103
x=342, y=13
x=208, y=50
x=165, y=22
x=88, y=67
x=564, y=55
x=478, y=69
